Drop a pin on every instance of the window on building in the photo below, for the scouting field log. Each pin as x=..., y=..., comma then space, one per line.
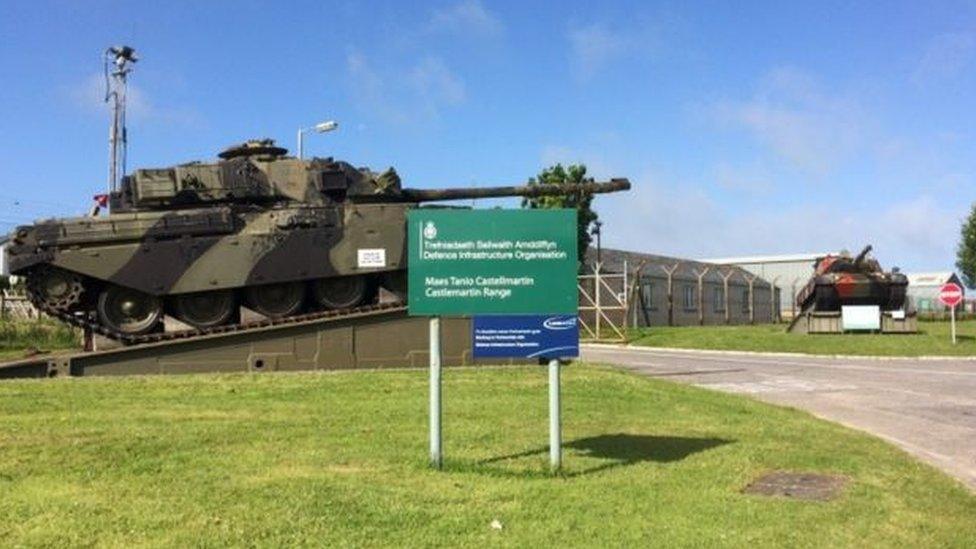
x=718, y=299
x=689, y=298
x=745, y=300
x=647, y=295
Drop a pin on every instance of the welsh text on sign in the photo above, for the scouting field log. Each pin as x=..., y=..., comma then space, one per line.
x=492, y=262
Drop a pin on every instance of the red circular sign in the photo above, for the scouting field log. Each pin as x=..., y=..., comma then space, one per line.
x=950, y=294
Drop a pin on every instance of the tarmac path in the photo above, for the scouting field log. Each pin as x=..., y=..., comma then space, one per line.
x=926, y=407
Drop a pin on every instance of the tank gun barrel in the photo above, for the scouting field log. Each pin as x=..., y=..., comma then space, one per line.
x=589, y=187
x=864, y=253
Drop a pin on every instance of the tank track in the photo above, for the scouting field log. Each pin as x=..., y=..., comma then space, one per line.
x=88, y=322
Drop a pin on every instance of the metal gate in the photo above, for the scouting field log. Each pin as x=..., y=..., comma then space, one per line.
x=603, y=305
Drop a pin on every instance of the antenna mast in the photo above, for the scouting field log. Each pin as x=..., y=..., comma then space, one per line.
x=120, y=57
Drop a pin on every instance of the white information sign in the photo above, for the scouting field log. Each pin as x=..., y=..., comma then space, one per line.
x=860, y=317
x=371, y=258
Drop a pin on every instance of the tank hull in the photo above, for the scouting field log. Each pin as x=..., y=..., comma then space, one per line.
x=194, y=251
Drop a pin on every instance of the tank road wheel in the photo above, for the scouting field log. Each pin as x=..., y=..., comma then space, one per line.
x=206, y=309
x=341, y=292
x=129, y=311
x=276, y=300
x=55, y=288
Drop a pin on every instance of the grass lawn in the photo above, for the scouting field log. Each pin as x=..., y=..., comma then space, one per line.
x=933, y=339
x=339, y=459
x=19, y=336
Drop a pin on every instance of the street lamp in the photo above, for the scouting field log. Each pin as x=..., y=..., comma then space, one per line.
x=321, y=127
x=595, y=231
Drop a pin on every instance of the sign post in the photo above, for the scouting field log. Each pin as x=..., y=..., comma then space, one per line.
x=519, y=266
x=951, y=295
x=532, y=336
x=436, y=455
x=555, y=421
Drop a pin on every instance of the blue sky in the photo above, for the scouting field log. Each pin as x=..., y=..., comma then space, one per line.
x=747, y=128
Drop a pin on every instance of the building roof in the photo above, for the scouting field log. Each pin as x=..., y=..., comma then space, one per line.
x=786, y=258
x=931, y=279
x=613, y=261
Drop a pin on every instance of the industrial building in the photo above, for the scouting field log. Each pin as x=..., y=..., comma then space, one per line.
x=669, y=291
x=789, y=272
x=923, y=290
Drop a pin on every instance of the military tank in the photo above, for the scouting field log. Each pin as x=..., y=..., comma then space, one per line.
x=844, y=280
x=274, y=233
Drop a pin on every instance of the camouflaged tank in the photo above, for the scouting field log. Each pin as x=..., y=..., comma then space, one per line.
x=257, y=228
x=842, y=280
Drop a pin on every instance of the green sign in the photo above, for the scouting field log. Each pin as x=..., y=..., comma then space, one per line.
x=465, y=262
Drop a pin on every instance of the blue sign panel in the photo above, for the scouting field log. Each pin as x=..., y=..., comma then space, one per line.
x=525, y=336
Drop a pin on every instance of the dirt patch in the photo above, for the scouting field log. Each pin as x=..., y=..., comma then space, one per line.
x=805, y=486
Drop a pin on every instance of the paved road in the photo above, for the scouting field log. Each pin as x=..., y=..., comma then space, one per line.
x=926, y=407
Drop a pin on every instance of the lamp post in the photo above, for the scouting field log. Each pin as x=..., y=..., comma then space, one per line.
x=321, y=127
x=596, y=232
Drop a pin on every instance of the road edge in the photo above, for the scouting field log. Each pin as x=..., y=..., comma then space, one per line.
x=933, y=358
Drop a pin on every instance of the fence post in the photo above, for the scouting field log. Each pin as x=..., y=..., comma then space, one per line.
x=792, y=300
x=626, y=294
x=773, y=305
x=635, y=294
x=725, y=290
x=670, y=272
x=670, y=299
x=3, y=304
x=599, y=290
x=752, y=299
x=701, y=292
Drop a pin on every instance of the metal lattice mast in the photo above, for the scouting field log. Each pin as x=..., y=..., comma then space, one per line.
x=120, y=57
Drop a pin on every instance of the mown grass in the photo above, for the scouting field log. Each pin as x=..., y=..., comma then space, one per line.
x=20, y=336
x=932, y=339
x=330, y=459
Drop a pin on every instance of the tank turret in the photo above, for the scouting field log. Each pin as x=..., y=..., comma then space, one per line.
x=256, y=228
x=259, y=172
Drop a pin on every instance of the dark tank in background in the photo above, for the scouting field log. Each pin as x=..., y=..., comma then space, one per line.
x=277, y=234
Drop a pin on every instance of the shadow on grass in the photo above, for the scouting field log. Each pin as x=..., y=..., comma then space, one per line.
x=616, y=450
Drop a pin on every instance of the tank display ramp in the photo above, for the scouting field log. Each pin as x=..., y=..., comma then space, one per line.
x=811, y=321
x=369, y=337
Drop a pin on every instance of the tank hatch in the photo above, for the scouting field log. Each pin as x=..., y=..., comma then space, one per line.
x=253, y=147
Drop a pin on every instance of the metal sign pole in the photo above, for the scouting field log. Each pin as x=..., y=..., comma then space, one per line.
x=436, y=456
x=952, y=313
x=555, y=422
